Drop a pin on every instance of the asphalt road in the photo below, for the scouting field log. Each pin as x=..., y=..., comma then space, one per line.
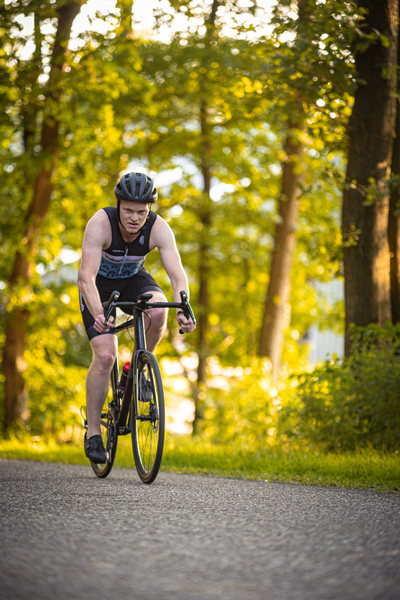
x=67, y=535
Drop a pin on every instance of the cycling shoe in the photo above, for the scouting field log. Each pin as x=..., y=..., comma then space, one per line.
x=94, y=449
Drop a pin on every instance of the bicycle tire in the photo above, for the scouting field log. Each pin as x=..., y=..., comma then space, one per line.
x=110, y=440
x=148, y=419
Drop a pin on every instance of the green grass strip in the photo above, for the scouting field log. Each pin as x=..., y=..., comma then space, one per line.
x=361, y=470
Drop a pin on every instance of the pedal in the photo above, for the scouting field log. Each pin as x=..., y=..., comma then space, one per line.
x=154, y=411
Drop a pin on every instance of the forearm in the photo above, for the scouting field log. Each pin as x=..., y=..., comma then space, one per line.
x=90, y=294
x=179, y=284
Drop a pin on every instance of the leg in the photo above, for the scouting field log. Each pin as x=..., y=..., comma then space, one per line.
x=158, y=322
x=98, y=379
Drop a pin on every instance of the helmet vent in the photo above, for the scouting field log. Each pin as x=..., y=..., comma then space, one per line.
x=128, y=184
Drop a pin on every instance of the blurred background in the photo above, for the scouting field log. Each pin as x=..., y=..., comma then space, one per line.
x=240, y=111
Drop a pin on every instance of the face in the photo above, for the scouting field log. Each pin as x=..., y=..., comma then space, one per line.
x=133, y=215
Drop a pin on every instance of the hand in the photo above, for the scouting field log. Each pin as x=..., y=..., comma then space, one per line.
x=100, y=323
x=185, y=324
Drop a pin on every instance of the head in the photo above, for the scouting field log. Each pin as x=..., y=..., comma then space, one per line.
x=132, y=215
x=134, y=189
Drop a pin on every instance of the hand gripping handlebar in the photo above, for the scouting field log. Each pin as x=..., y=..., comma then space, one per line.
x=186, y=308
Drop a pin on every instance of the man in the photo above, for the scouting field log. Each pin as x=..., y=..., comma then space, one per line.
x=114, y=250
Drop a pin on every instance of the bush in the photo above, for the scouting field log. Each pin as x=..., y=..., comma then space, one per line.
x=242, y=411
x=350, y=404
x=56, y=390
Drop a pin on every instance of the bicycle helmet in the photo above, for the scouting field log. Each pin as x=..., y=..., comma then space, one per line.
x=136, y=187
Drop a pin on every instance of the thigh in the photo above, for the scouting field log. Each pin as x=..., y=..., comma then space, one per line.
x=105, y=288
x=88, y=320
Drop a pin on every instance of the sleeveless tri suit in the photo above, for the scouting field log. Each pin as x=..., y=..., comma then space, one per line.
x=122, y=268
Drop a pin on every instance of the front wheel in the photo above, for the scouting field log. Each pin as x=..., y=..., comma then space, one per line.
x=148, y=418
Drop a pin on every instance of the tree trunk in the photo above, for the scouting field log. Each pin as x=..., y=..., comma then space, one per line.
x=365, y=218
x=125, y=20
x=394, y=216
x=278, y=294
x=394, y=231
x=277, y=307
x=205, y=215
x=17, y=319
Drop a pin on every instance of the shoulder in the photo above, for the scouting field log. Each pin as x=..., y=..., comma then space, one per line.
x=98, y=229
x=161, y=234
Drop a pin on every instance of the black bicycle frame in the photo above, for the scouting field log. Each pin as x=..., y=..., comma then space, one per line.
x=140, y=343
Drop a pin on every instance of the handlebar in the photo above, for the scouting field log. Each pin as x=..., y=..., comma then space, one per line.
x=143, y=304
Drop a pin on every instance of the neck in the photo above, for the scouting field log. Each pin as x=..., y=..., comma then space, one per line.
x=128, y=237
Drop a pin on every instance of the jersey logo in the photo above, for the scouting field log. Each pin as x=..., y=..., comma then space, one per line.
x=141, y=240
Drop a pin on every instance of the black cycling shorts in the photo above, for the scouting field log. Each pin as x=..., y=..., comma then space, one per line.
x=130, y=289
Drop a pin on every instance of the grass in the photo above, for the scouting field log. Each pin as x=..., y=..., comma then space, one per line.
x=362, y=470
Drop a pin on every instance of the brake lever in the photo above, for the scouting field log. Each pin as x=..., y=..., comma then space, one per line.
x=110, y=305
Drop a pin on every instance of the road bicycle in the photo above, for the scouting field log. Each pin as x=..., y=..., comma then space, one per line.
x=137, y=401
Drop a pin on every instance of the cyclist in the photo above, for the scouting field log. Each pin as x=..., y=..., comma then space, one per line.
x=115, y=245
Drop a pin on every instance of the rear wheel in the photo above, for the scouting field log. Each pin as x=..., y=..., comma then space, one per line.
x=148, y=418
x=110, y=439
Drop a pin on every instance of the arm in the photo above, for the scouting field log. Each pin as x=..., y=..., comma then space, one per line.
x=97, y=235
x=163, y=238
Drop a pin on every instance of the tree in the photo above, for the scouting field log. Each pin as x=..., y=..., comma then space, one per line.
x=365, y=195
x=41, y=185
x=65, y=119
x=275, y=318
x=307, y=64
x=394, y=217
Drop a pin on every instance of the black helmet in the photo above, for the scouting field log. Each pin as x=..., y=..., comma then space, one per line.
x=136, y=187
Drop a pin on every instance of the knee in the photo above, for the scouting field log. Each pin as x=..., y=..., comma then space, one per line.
x=104, y=358
x=159, y=317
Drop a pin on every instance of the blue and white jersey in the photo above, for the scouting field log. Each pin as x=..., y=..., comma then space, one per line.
x=123, y=259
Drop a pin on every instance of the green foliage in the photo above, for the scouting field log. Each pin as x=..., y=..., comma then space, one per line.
x=91, y=114
x=239, y=408
x=55, y=370
x=350, y=404
x=129, y=101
